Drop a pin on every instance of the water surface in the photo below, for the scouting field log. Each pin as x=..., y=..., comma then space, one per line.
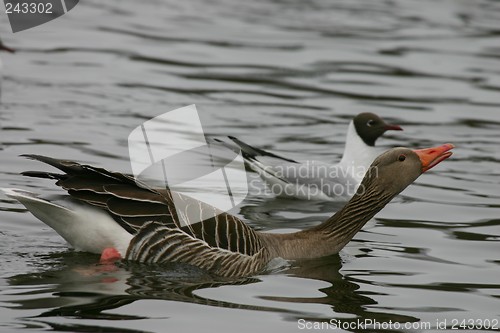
x=285, y=76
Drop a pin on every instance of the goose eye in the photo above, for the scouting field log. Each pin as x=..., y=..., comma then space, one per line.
x=370, y=123
x=402, y=157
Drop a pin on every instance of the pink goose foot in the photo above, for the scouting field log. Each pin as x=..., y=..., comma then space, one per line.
x=109, y=255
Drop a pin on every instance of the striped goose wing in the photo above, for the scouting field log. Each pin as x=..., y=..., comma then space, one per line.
x=157, y=243
x=217, y=228
x=128, y=203
x=220, y=243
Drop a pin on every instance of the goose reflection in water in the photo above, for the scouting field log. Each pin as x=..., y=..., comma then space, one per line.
x=80, y=288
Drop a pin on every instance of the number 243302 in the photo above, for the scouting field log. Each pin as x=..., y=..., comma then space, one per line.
x=28, y=8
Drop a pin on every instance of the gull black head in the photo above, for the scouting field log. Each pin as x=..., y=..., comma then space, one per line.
x=370, y=127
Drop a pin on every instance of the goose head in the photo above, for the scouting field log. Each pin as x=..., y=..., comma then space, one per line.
x=397, y=168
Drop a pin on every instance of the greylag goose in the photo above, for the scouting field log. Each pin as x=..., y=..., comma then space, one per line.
x=110, y=213
x=316, y=180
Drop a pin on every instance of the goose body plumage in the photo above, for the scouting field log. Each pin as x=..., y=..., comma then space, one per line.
x=111, y=210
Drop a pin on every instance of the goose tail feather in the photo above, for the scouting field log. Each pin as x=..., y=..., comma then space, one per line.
x=85, y=227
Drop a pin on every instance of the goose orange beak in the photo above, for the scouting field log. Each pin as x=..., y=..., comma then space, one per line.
x=430, y=157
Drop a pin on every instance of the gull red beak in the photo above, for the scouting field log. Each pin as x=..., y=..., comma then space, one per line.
x=393, y=128
x=6, y=48
x=430, y=157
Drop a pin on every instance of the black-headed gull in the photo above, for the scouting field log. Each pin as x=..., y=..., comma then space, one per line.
x=316, y=180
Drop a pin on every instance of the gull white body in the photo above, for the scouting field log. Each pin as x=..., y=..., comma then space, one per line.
x=316, y=180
